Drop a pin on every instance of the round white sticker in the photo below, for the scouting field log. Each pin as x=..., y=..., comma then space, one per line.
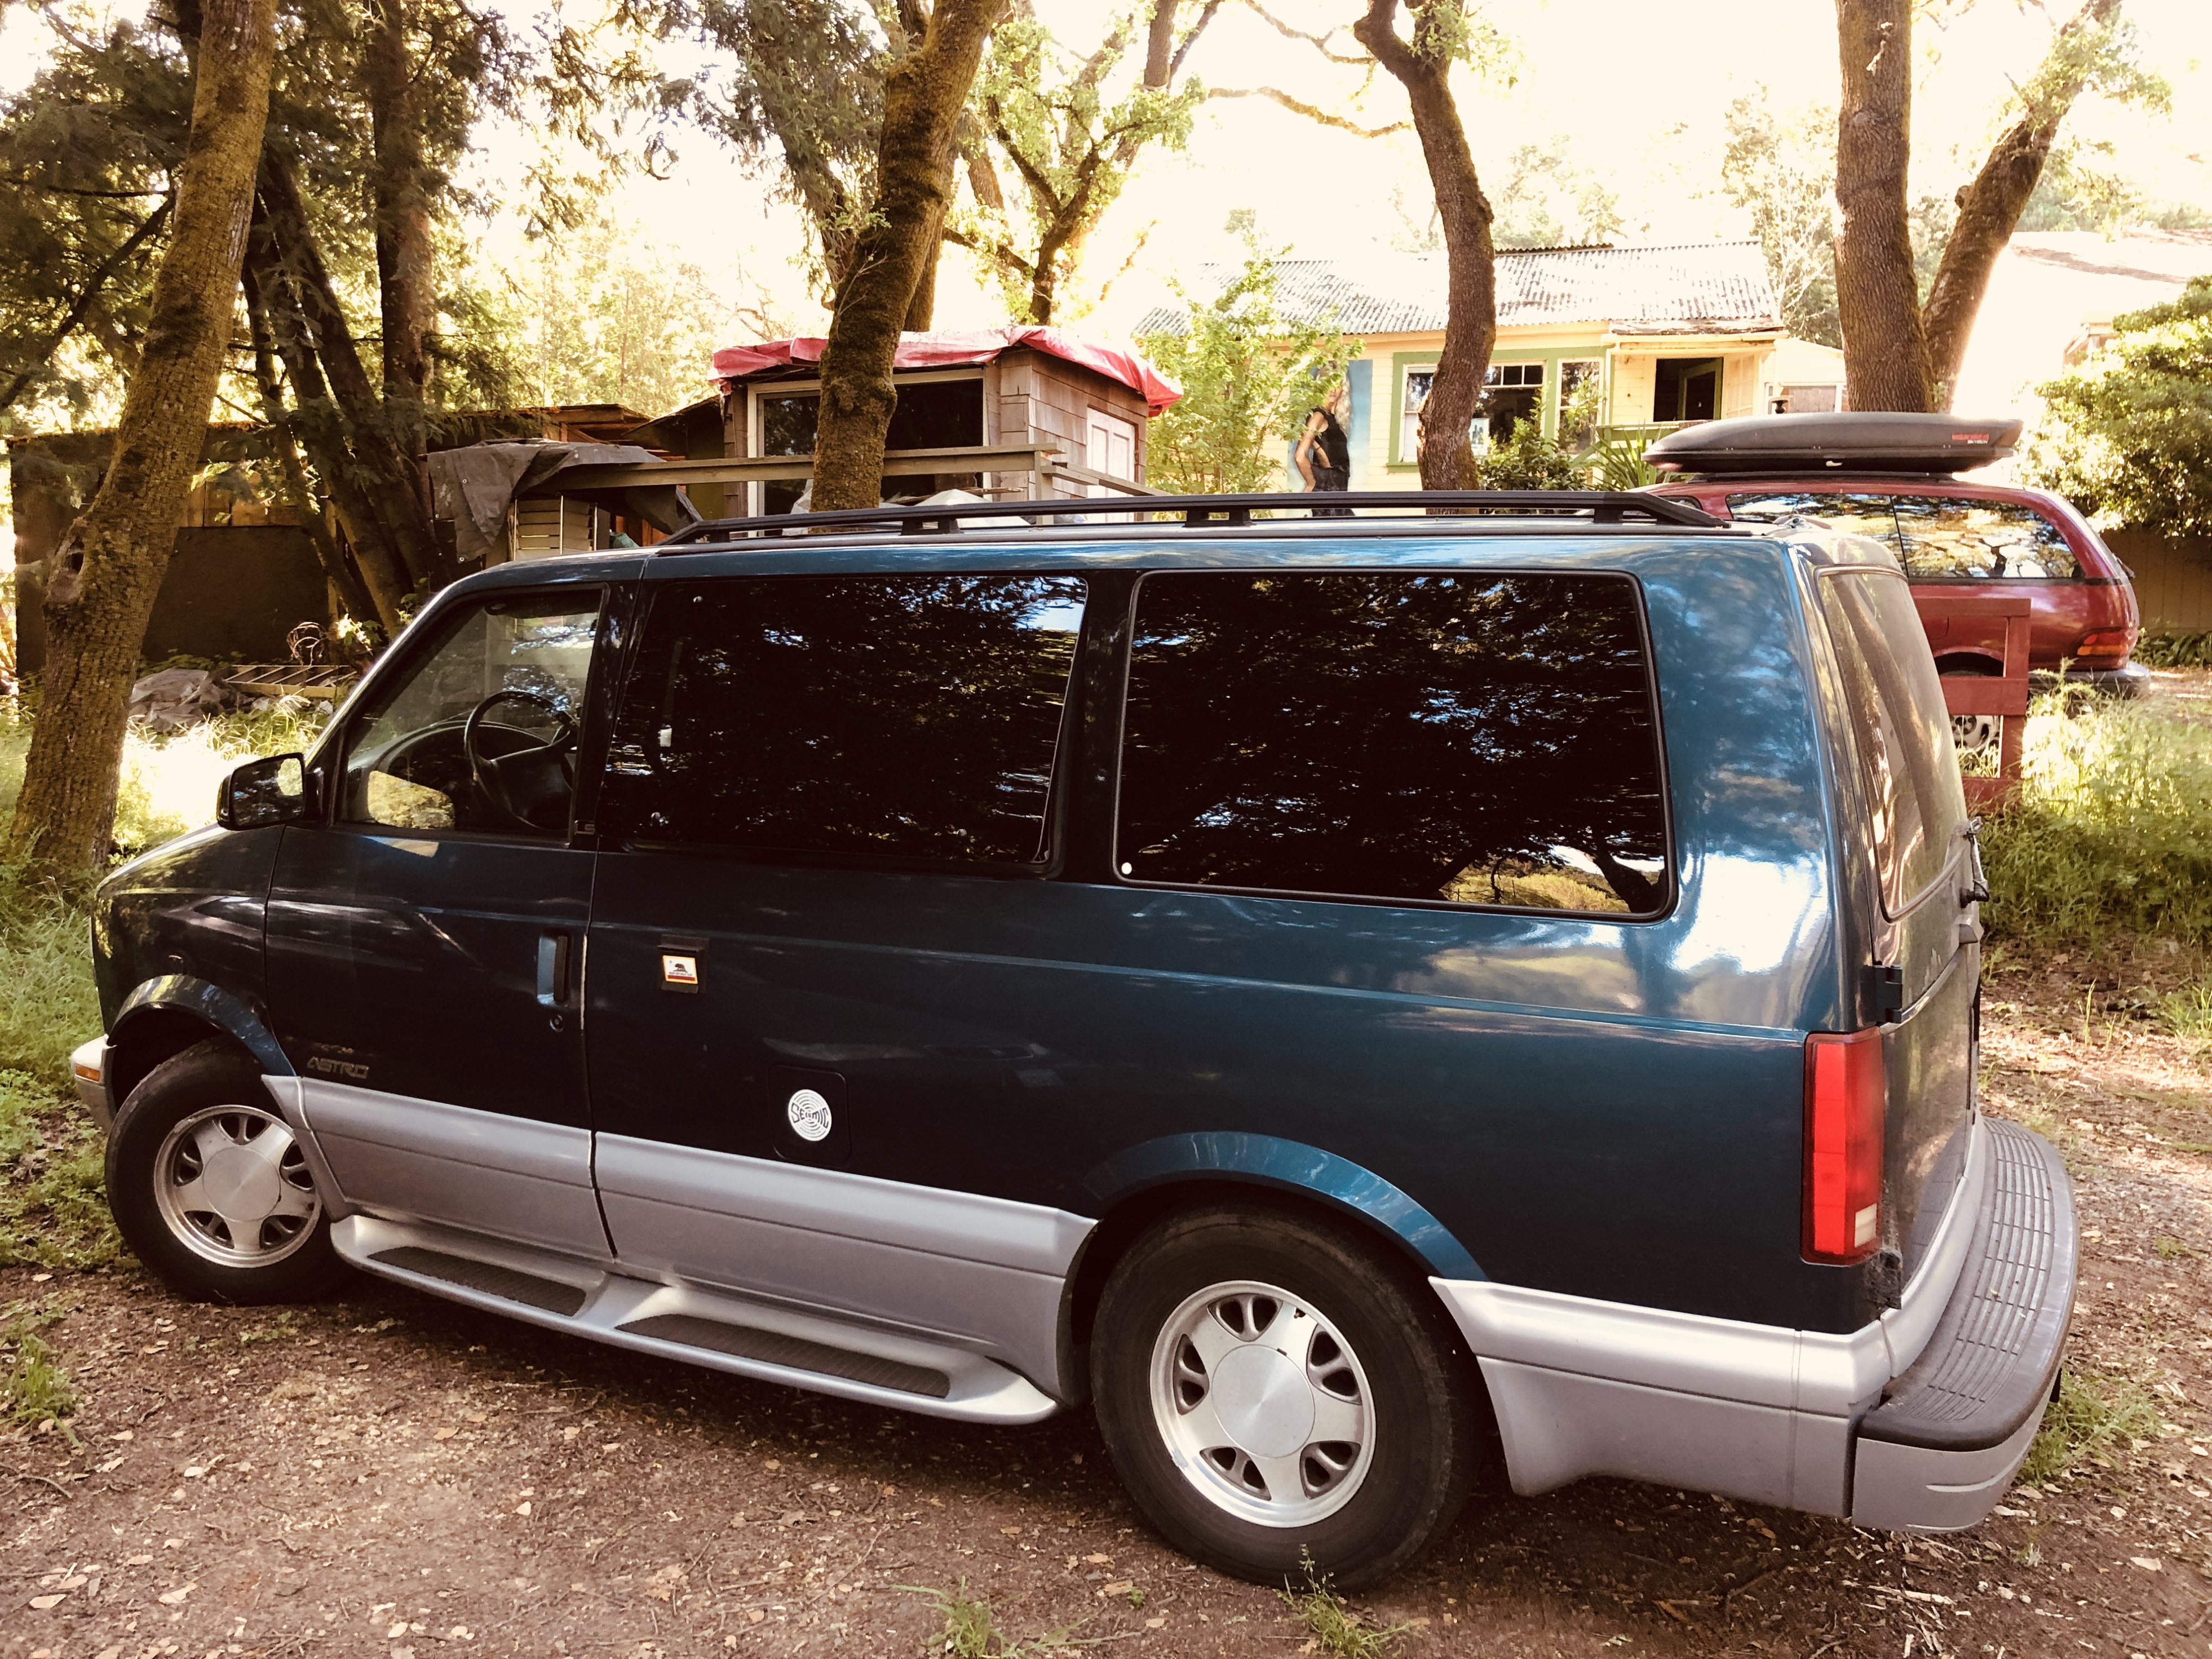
x=809, y=1114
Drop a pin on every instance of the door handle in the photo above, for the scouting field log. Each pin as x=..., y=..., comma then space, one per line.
x=552, y=970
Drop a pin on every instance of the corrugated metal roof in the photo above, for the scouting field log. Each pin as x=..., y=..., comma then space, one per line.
x=1690, y=287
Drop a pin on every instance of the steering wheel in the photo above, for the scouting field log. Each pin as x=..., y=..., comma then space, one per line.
x=525, y=781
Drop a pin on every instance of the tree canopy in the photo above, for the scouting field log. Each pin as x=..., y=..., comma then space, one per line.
x=1248, y=375
x=2129, y=438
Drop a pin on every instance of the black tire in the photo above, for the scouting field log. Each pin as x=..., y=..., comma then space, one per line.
x=1421, y=1390
x=217, y=1085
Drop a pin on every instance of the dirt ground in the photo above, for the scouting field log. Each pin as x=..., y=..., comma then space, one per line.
x=391, y=1475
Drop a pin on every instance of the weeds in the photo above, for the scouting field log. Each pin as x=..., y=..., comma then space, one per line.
x=2095, y=1417
x=2108, y=828
x=287, y=1325
x=1335, y=1628
x=33, y=1387
x=2188, y=1012
x=970, y=1633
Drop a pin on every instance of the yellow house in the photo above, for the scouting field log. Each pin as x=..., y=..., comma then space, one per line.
x=1590, y=340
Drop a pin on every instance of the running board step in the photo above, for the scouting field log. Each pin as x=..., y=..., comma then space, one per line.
x=726, y=1332
x=547, y=1295
x=748, y=1342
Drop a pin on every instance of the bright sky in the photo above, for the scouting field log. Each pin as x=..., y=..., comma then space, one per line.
x=1638, y=93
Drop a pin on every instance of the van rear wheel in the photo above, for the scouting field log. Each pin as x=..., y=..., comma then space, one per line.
x=1273, y=1395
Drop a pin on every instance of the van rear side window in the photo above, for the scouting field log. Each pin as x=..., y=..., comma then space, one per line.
x=1902, y=731
x=1472, y=739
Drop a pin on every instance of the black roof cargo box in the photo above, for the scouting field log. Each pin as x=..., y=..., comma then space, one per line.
x=1799, y=444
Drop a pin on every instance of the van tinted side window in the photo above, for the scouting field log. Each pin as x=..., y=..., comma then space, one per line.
x=1477, y=740
x=912, y=717
x=1903, y=733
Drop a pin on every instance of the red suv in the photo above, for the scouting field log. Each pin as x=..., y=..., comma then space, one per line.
x=1892, y=478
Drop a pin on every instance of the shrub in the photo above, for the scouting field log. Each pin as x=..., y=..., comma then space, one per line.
x=2175, y=650
x=2108, y=829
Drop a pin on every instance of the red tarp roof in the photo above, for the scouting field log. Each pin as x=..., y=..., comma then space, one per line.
x=950, y=348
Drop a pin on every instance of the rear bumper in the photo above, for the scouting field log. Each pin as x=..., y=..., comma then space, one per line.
x=1915, y=1422
x=2128, y=680
x=1943, y=1444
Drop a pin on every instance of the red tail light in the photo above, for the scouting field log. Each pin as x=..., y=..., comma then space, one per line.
x=1846, y=1091
x=2106, y=643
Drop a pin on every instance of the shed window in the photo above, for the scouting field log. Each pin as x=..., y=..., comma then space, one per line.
x=1469, y=739
x=931, y=415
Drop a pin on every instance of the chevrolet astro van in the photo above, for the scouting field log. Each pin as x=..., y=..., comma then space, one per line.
x=1486, y=985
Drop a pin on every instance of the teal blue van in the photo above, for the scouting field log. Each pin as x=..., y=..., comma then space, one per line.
x=1479, y=992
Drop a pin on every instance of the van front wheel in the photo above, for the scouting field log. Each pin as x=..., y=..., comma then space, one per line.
x=1272, y=1396
x=211, y=1190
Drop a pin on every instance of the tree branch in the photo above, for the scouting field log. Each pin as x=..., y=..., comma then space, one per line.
x=93, y=286
x=1318, y=42
x=1182, y=51
x=1299, y=107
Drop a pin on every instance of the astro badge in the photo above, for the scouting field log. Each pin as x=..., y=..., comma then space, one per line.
x=683, y=964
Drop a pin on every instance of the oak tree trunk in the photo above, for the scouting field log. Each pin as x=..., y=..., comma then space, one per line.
x=1423, y=66
x=405, y=290
x=1989, y=208
x=923, y=95
x=1877, y=296
x=109, y=567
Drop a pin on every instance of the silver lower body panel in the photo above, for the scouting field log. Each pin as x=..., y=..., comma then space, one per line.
x=613, y=1307
x=1915, y=1489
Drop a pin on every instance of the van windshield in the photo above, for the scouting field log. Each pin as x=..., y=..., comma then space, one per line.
x=1901, y=729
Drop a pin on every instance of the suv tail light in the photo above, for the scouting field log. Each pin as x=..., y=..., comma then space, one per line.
x=2114, y=642
x=1846, y=1095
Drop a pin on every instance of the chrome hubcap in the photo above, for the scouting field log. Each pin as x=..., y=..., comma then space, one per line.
x=233, y=1186
x=1263, y=1405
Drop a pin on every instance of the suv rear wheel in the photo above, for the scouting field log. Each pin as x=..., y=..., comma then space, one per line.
x=1272, y=1396
x=210, y=1188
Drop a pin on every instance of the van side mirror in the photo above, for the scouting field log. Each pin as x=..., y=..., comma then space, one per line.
x=262, y=792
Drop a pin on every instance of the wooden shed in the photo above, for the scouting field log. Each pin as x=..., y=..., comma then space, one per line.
x=979, y=389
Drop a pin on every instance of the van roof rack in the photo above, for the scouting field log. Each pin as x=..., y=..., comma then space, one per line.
x=1855, y=441
x=1602, y=507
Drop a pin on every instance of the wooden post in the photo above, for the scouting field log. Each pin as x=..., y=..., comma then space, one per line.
x=2004, y=696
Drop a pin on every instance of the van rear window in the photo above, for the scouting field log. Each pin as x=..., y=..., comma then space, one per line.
x=1901, y=727
x=1472, y=739
x=907, y=717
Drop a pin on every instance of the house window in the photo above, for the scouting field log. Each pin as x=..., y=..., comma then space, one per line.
x=1511, y=393
x=933, y=412
x=1581, y=407
x=1686, y=389
x=1418, y=382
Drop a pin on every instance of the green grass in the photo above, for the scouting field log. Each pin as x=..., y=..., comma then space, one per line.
x=2095, y=1417
x=2112, y=829
x=33, y=1387
x=2188, y=1012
